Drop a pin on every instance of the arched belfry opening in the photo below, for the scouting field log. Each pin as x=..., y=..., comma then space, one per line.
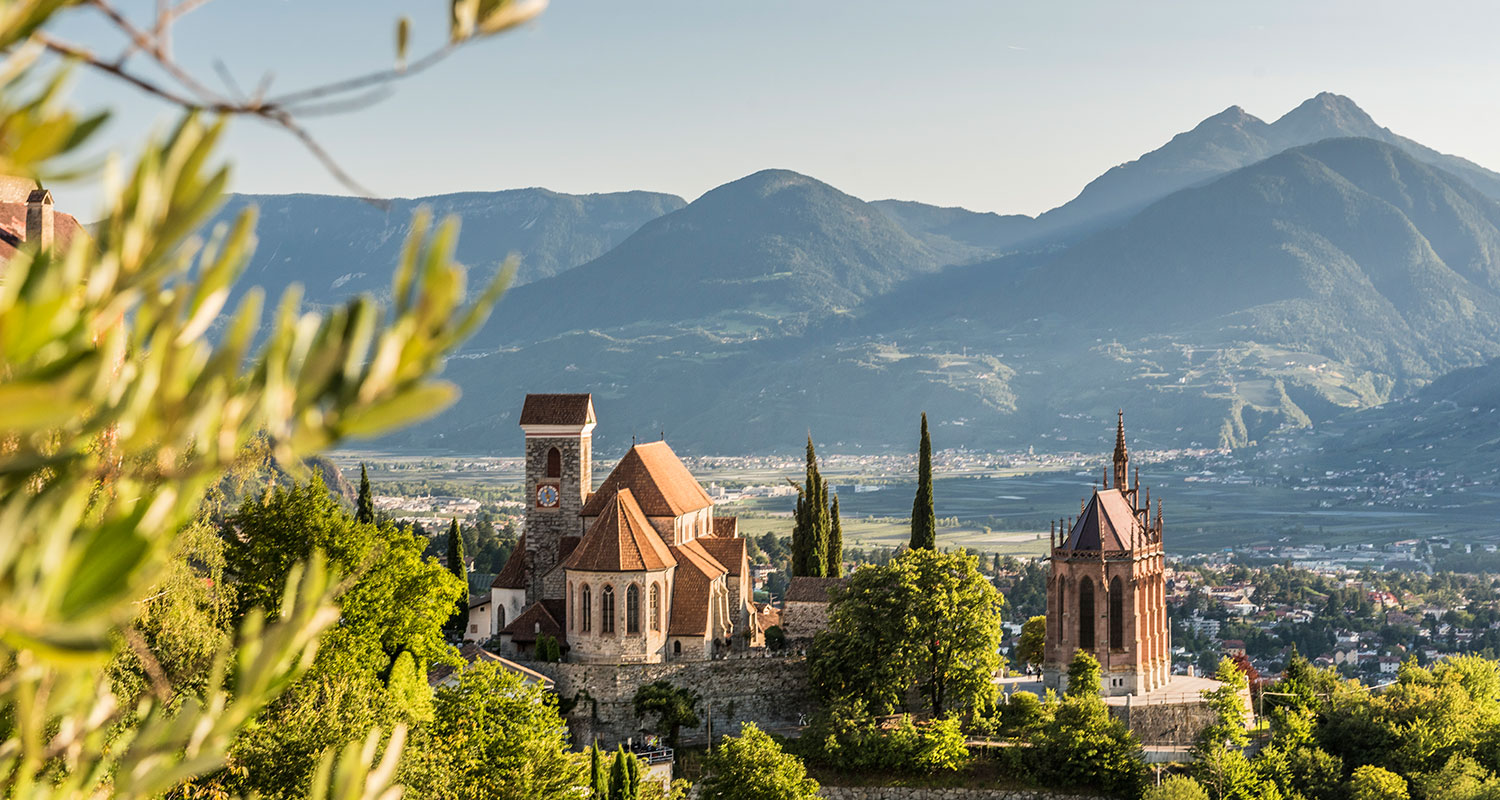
x=554, y=463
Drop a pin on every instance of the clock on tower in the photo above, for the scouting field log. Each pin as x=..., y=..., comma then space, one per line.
x=546, y=496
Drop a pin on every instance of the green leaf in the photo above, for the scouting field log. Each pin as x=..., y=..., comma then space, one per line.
x=411, y=406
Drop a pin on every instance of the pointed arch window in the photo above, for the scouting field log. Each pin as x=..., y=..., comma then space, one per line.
x=554, y=463
x=588, y=609
x=1086, y=614
x=1116, y=615
x=633, y=609
x=607, y=610
x=655, y=607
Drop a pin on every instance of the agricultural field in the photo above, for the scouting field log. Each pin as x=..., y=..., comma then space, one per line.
x=1003, y=510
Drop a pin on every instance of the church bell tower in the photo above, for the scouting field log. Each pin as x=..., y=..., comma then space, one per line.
x=559, y=455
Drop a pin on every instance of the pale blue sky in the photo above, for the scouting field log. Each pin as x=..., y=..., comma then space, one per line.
x=996, y=106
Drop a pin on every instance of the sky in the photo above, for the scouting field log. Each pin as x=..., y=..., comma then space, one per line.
x=991, y=105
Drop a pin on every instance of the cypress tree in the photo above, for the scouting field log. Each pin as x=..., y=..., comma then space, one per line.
x=632, y=777
x=598, y=775
x=619, y=775
x=364, y=509
x=817, y=562
x=456, y=566
x=996, y=570
x=810, y=533
x=835, y=541
x=923, y=518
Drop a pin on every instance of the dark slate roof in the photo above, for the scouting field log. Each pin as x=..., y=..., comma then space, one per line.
x=811, y=590
x=662, y=485
x=557, y=409
x=513, y=574
x=524, y=627
x=1105, y=524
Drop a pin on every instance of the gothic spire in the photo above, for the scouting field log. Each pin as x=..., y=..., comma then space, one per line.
x=1122, y=456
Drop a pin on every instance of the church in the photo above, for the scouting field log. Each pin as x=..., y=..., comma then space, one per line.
x=1106, y=591
x=639, y=571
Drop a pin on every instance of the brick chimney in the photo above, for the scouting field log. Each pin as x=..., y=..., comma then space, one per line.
x=39, y=219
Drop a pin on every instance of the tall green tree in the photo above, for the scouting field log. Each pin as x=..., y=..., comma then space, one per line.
x=460, y=570
x=923, y=517
x=752, y=766
x=810, y=533
x=364, y=507
x=598, y=773
x=835, y=561
x=926, y=621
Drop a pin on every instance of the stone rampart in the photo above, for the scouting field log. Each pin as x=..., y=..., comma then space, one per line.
x=771, y=691
x=921, y=793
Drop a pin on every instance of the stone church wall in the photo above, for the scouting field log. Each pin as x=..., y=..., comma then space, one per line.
x=771, y=691
x=801, y=620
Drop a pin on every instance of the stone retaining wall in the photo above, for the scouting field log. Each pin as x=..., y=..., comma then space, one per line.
x=772, y=692
x=918, y=793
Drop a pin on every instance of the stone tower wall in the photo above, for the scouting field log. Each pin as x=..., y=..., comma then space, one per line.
x=545, y=527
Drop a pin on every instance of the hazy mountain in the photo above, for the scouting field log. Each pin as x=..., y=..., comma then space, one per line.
x=1349, y=245
x=340, y=246
x=1329, y=277
x=766, y=253
x=962, y=233
x=1226, y=141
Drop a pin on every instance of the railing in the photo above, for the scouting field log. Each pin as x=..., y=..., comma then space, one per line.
x=653, y=755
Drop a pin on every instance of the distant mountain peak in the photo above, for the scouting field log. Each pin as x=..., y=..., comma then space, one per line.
x=1327, y=115
x=761, y=186
x=1234, y=115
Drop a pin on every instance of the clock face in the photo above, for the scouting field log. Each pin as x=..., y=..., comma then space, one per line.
x=546, y=496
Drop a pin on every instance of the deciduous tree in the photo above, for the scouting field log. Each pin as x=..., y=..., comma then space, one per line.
x=926, y=621
x=752, y=766
x=1032, y=647
x=674, y=707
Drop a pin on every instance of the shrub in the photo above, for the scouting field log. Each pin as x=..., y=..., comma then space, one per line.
x=1176, y=787
x=1376, y=783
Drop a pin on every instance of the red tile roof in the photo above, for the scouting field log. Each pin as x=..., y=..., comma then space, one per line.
x=620, y=540
x=729, y=552
x=727, y=527
x=1106, y=523
x=513, y=574
x=524, y=628
x=13, y=229
x=557, y=409
x=696, y=571
x=662, y=485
